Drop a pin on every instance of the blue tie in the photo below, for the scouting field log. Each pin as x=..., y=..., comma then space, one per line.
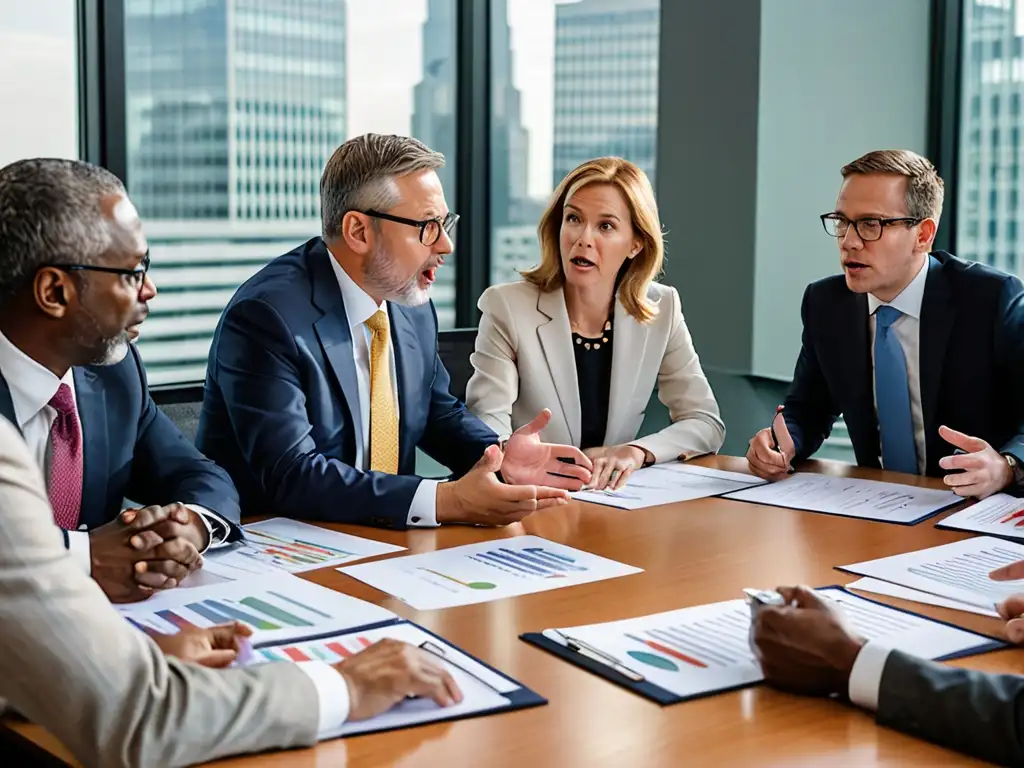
x=892, y=393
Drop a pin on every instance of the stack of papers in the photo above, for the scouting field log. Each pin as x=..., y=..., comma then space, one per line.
x=957, y=572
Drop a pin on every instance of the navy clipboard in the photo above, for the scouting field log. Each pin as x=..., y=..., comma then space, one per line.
x=664, y=697
x=520, y=698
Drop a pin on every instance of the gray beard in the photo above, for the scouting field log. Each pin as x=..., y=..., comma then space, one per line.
x=383, y=280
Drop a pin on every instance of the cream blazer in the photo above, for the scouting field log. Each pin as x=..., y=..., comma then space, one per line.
x=524, y=362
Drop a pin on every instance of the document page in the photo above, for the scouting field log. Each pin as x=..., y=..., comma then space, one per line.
x=1000, y=515
x=706, y=648
x=278, y=608
x=489, y=570
x=958, y=571
x=670, y=483
x=279, y=544
x=851, y=497
x=483, y=690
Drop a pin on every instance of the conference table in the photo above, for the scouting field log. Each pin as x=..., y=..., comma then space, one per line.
x=692, y=553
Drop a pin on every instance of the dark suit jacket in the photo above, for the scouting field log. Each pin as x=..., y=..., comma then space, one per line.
x=281, y=411
x=971, y=363
x=976, y=713
x=132, y=450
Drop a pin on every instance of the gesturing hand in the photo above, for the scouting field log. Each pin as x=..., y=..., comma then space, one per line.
x=528, y=461
x=479, y=497
x=1012, y=608
x=985, y=470
x=388, y=671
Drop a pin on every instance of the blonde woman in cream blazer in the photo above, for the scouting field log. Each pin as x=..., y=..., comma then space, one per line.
x=589, y=334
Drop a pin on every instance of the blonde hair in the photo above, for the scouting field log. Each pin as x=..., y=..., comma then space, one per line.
x=925, y=188
x=639, y=194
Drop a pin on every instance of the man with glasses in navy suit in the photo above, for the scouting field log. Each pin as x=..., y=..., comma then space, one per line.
x=73, y=292
x=324, y=378
x=922, y=353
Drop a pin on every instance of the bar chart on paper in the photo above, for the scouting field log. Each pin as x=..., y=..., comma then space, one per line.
x=999, y=515
x=280, y=544
x=483, y=689
x=486, y=571
x=276, y=609
x=703, y=649
x=958, y=570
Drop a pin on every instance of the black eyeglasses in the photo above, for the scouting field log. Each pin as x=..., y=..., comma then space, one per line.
x=868, y=229
x=430, y=229
x=137, y=275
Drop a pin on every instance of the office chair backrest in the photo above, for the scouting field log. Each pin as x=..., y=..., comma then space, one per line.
x=454, y=348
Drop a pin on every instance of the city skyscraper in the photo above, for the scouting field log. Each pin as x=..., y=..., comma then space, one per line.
x=989, y=208
x=233, y=108
x=606, y=82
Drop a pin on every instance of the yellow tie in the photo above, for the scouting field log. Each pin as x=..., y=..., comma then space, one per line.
x=383, y=414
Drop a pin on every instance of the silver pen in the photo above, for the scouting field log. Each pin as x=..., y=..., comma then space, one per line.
x=594, y=654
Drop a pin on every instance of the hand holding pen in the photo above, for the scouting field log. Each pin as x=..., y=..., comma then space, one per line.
x=772, y=450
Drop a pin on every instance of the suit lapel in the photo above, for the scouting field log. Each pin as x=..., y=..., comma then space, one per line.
x=409, y=361
x=938, y=314
x=335, y=335
x=7, y=404
x=629, y=341
x=555, y=339
x=92, y=412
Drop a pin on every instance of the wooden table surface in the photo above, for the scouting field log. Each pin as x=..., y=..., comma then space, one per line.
x=692, y=553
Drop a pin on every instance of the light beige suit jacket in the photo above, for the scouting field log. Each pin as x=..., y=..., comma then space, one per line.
x=524, y=361
x=69, y=662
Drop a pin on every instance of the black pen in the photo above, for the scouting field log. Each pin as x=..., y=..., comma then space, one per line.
x=775, y=439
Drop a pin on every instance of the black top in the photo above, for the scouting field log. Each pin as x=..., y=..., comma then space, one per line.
x=594, y=374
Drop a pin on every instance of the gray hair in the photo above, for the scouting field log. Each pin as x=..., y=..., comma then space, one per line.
x=361, y=174
x=925, y=188
x=50, y=212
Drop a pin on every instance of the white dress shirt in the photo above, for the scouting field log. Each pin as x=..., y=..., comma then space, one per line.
x=360, y=307
x=908, y=333
x=32, y=387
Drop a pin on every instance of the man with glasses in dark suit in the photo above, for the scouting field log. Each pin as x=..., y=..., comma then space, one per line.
x=74, y=289
x=922, y=353
x=324, y=378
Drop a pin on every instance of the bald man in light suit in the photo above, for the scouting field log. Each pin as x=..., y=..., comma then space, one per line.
x=113, y=698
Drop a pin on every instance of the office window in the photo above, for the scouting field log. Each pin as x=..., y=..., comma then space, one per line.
x=39, y=89
x=293, y=81
x=991, y=75
x=570, y=82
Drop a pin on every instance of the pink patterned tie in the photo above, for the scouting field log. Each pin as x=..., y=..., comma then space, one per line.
x=66, y=470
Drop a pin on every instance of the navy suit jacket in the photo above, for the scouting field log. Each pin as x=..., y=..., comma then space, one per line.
x=281, y=411
x=971, y=363
x=132, y=450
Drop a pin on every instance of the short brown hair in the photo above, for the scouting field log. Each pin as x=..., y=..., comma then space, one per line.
x=360, y=175
x=925, y=188
x=643, y=208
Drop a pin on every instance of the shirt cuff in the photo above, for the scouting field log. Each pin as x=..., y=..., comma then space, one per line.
x=423, y=510
x=332, y=691
x=78, y=545
x=866, y=676
x=216, y=528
